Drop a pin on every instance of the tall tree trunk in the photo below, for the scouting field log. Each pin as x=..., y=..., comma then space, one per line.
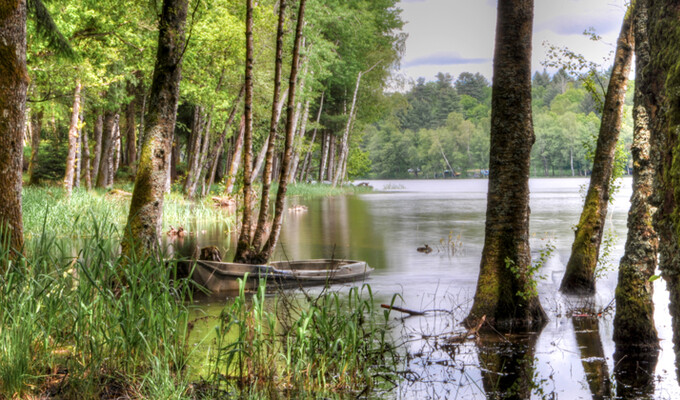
x=13, y=86
x=72, y=141
x=273, y=133
x=36, y=132
x=98, y=136
x=297, y=148
x=580, y=274
x=194, y=151
x=217, y=150
x=143, y=231
x=142, y=112
x=236, y=158
x=131, y=129
x=202, y=167
x=79, y=151
x=106, y=158
x=259, y=161
x=506, y=292
x=308, y=155
x=324, y=156
x=344, y=145
x=86, y=160
x=286, y=160
x=634, y=330
x=244, y=240
x=116, y=153
x=663, y=96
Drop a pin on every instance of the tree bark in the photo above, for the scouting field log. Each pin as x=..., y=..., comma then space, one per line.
x=106, y=158
x=509, y=299
x=131, y=130
x=286, y=160
x=663, y=95
x=72, y=142
x=297, y=149
x=79, y=151
x=13, y=85
x=273, y=132
x=244, y=241
x=217, y=150
x=257, y=168
x=86, y=160
x=344, y=145
x=579, y=277
x=143, y=231
x=634, y=330
x=194, y=151
x=306, y=164
x=98, y=134
x=36, y=132
x=236, y=158
x=324, y=156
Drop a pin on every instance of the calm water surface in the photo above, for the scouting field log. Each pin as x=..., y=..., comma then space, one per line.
x=572, y=358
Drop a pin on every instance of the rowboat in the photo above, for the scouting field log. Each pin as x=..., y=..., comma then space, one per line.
x=218, y=276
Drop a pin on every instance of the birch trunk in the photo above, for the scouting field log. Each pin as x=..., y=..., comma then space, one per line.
x=235, y=159
x=308, y=155
x=98, y=134
x=297, y=149
x=72, y=142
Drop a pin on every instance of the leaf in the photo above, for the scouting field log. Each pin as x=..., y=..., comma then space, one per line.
x=653, y=278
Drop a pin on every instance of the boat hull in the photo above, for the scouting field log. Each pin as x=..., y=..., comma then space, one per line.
x=220, y=277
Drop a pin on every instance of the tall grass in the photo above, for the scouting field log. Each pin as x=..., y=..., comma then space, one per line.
x=92, y=325
x=322, y=189
x=329, y=344
x=46, y=210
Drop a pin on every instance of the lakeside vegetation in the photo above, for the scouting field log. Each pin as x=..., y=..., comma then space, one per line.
x=441, y=128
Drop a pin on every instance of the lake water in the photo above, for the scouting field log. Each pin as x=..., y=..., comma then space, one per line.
x=572, y=358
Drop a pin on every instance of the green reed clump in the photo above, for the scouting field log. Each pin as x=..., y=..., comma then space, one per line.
x=322, y=189
x=332, y=343
x=47, y=211
x=91, y=323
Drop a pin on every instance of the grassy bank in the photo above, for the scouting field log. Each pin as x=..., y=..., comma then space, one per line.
x=47, y=209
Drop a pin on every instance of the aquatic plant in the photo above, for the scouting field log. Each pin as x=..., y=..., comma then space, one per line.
x=331, y=343
x=93, y=324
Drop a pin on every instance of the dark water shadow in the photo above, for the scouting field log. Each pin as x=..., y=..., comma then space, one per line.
x=507, y=364
x=634, y=372
x=587, y=333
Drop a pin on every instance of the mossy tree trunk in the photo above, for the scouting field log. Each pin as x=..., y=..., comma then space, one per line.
x=508, y=299
x=663, y=87
x=13, y=86
x=634, y=330
x=98, y=133
x=579, y=277
x=73, y=137
x=143, y=231
x=106, y=157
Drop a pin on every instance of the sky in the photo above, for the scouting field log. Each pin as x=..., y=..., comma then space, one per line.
x=455, y=36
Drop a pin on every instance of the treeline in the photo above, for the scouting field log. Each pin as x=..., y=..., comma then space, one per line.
x=441, y=128
x=86, y=112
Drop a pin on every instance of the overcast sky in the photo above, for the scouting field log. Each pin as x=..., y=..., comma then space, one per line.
x=458, y=35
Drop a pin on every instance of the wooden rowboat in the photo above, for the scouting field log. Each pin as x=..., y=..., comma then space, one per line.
x=218, y=276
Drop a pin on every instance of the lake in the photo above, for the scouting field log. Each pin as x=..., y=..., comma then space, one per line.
x=572, y=358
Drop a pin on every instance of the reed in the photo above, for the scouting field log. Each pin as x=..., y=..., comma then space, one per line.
x=329, y=344
x=47, y=211
x=322, y=190
x=91, y=324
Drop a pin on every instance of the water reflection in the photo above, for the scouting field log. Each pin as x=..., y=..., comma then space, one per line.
x=587, y=333
x=385, y=229
x=635, y=374
x=507, y=365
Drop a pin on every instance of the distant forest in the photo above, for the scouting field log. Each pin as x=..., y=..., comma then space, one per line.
x=441, y=128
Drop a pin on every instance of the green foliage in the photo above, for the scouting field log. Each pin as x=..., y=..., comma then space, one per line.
x=324, y=344
x=529, y=275
x=51, y=165
x=85, y=323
